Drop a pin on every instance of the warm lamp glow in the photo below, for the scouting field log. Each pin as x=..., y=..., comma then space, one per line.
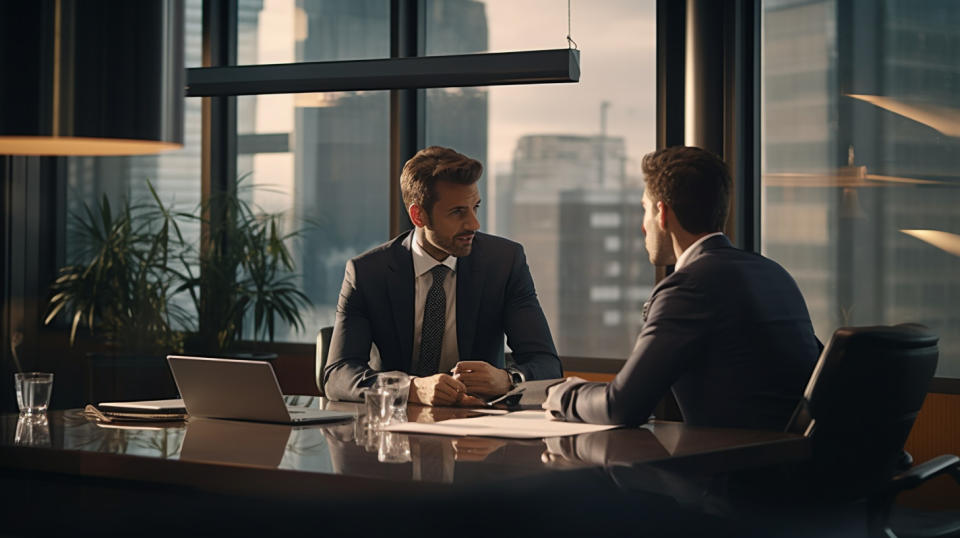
x=945, y=241
x=91, y=78
x=73, y=146
x=944, y=119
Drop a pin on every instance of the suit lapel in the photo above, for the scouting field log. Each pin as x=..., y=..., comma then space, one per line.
x=469, y=288
x=400, y=288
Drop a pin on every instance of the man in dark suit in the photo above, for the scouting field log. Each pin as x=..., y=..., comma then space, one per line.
x=728, y=330
x=437, y=301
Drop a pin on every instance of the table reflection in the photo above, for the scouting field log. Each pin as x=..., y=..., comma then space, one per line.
x=358, y=449
x=234, y=442
x=352, y=448
x=153, y=439
x=608, y=447
x=33, y=430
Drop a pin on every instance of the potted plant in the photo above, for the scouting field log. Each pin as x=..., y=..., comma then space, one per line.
x=121, y=289
x=245, y=275
x=134, y=263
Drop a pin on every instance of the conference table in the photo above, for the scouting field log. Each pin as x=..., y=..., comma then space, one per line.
x=132, y=473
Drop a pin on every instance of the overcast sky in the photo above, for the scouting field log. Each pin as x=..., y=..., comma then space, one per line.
x=617, y=39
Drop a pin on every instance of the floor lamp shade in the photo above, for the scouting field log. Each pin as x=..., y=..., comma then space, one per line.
x=91, y=77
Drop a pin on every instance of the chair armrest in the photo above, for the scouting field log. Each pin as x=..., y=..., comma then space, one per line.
x=918, y=474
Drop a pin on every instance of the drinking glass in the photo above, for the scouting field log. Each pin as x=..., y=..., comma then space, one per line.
x=33, y=430
x=379, y=404
x=394, y=448
x=398, y=384
x=33, y=392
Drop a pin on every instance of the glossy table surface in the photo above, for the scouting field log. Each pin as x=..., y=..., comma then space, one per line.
x=185, y=452
x=211, y=477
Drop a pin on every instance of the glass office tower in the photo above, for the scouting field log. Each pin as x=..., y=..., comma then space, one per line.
x=861, y=148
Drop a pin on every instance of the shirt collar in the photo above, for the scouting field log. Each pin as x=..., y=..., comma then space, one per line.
x=423, y=262
x=684, y=257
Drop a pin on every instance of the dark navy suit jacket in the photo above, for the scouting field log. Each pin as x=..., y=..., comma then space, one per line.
x=729, y=332
x=495, y=296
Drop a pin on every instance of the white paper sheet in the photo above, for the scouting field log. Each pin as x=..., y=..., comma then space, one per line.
x=485, y=411
x=146, y=405
x=531, y=424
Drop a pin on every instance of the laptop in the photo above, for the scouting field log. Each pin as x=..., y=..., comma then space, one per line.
x=239, y=390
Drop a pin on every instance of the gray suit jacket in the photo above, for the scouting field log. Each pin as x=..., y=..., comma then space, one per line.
x=729, y=332
x=495, y=296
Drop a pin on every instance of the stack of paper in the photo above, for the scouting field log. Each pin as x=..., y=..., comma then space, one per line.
x=139, y=411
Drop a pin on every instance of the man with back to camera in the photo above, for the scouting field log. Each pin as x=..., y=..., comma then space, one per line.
x=728, y=330
x=437, y=300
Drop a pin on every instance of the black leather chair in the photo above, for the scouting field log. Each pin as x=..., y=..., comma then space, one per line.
x=858, y=408
x=323, y=348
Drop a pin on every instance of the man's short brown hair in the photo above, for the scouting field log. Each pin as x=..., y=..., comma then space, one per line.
x=693, y=182
x=433, y=164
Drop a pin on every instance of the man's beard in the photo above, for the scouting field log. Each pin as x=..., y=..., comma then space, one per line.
x=455, y=249
x=451, y=247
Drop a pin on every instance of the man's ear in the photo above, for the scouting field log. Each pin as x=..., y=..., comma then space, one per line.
x=417, y=215
x=662, y=220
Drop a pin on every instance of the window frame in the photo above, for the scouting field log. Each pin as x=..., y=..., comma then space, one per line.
x=736, y=47
x=731, y=50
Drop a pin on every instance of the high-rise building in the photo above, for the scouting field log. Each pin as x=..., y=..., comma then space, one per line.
x=578, y=215
x=843, y=177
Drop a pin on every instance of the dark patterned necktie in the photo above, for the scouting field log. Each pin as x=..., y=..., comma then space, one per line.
x=434, y=322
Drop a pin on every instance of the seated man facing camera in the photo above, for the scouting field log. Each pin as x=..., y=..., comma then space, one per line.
x=437, y=300
x=728, y=331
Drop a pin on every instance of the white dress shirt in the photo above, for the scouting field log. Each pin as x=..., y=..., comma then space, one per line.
x=682, y=260
x=423, y=279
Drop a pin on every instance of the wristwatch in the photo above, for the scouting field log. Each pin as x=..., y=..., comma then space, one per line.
x=516, y=376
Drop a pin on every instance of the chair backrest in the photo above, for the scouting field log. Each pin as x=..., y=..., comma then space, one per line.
x=863, y=397
x=323, y=348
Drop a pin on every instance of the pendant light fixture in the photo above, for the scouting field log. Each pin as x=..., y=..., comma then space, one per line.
x=91, y=77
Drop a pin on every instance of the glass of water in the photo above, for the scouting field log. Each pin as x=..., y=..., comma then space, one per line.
x=379, y=406
x=33, y=430
x=33, y=392
x=394, y=448
x=397, y=384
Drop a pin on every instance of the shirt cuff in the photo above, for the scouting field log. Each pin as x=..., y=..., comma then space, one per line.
x=557, y=396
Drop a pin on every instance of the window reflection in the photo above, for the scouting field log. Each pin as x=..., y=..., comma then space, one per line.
x=861, y=102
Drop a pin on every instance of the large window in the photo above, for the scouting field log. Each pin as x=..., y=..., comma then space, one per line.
x=562, y=161
x=320, y=158
x=861, y=153
x=288, y=31
x=323, y=161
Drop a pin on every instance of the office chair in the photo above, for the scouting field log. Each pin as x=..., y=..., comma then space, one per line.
x=323, y=348
x=857, y=411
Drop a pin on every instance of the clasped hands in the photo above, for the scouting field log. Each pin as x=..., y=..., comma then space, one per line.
x=466, y=381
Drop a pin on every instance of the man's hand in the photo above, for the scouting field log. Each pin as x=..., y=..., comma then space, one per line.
x=559, y=452
x=474, y=448
x=482, y=378
x=553, y=405
x=440, y=389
